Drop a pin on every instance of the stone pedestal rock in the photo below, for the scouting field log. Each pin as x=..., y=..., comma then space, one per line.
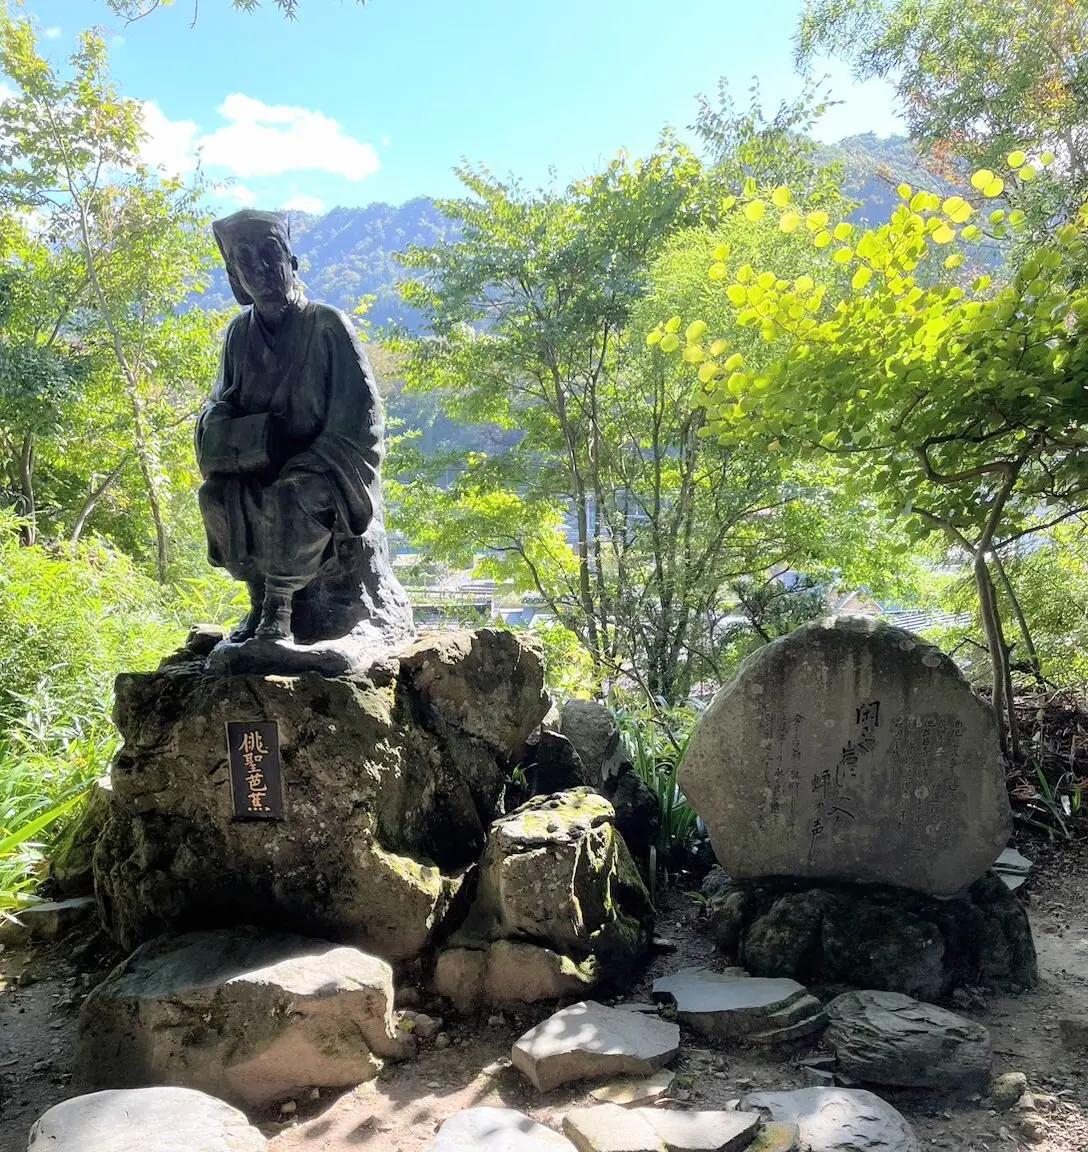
x=850, y=750
x=248, y=1017
x=390, y=778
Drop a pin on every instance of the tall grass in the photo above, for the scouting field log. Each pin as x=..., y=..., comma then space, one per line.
x=69, y=621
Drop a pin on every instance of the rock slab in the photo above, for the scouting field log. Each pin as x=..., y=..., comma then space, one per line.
x=838, y=1119
x=588, y=1041
x=869, y=936
x=609, y=1128
x=729, y=1006
x=495, y=1130
x=850, y=750
x=888, y=1038
x=391, y=778
x=145, y=1120
x=251, y=1018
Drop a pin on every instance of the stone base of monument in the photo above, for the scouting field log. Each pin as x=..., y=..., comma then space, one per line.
x=559, y=908
x=345, y=808
x=248, y=1017
x=870, y=936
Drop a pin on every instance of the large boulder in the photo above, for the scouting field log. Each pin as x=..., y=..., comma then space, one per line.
x=850, y=750
x=557, y=879
x=871, y=936
x=888, y=1038
x=145, y=1120
x=390, y=780
x=244, y=1016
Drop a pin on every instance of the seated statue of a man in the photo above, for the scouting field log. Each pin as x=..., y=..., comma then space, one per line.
x=290, y=447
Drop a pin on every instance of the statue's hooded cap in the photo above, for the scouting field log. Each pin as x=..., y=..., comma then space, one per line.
x=254, y=226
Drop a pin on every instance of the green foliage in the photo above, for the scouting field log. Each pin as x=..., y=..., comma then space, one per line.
x=657, y=739
x=975, y=79
x=954, y=404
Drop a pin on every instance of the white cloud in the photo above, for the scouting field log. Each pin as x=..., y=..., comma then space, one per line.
x=310, y=204
x=270, y=139
x=169, y=144
x=52, y=32
x=258, y=140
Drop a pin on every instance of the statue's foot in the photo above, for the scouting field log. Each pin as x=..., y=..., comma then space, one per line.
x=247, y=629
x=275, y=623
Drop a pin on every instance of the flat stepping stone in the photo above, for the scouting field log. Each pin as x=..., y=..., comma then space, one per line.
x=888, y=1038
x=588, y=1041
x=634, y=1091
x=495, y=1130
x=145, y=1120
x=47, y=920
x=250, y=1017
x=727, y=1006
x=609, y=1128
x=838, y=1119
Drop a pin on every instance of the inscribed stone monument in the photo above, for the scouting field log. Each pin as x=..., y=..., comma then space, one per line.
x=850, y=750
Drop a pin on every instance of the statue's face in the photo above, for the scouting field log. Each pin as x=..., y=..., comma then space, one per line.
x=263, y=267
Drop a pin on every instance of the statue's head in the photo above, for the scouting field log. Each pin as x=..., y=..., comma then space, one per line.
x=256, y=248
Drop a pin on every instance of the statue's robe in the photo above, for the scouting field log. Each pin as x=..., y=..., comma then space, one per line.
x=313, y=520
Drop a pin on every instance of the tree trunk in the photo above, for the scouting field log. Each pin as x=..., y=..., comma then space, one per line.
x=1003, y=703
x=95, y=498
x=1021, y=619
x=28, y=532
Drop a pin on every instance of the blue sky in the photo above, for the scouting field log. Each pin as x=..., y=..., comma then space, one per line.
x=349, y=105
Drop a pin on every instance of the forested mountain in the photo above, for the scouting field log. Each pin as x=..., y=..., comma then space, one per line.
x=350, y=253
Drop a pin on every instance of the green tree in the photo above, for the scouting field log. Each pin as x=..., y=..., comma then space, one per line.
x=68, y=154
x=975, y=79
x=957, y=403
x=138, y=9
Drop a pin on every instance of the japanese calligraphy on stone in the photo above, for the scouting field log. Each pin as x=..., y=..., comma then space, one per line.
x=256, y=783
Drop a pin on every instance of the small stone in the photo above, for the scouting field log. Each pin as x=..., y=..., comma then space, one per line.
x=496, y=1021
x=588, y=1041
x=817, y=1077
x=630, y=1092
x=1033, y=1129
x=47, y=920
x=1007, y=1090
x=288, y=1108
x=1026, y=1103
x=427, y=1026
x=441, y=1041
x=314, y=1094
x=495, y=1130
x=42, y=1065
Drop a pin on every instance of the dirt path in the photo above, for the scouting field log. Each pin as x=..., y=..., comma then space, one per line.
x=400, y=1110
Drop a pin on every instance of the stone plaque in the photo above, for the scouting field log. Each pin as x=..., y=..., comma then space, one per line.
x=850, y=750
x=255, y=776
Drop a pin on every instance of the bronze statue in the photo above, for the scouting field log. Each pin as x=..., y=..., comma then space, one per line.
x=290, y=447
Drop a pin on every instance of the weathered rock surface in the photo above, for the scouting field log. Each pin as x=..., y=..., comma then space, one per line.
x=559, y=905
x=877, y=937
x=588, y=1041
x=887, y=1038
x=777, y=1137
x=248, y=1017
x=47, y=920
x=730, y=1006
x=635, y=1091
x=510, y=972
x=608, y=1128
x=495, y=1130
x=145, y=1120
x=71, y=860
x=839, y=1119
x=850, y=750
x=390, y=779
x=595, y=736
